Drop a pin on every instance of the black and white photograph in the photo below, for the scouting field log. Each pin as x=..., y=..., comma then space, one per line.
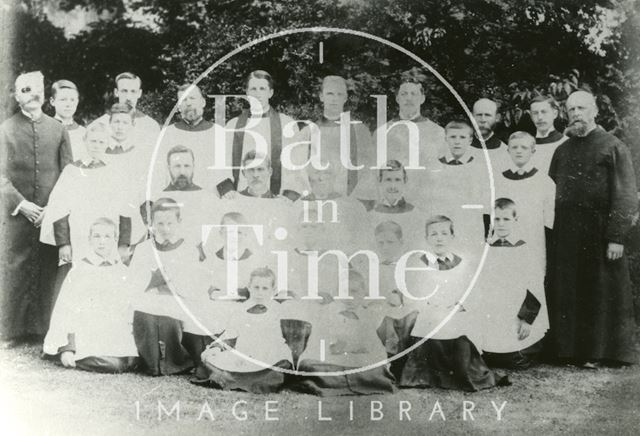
x=325, y=217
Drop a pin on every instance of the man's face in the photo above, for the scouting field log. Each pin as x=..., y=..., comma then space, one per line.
x=504, y=222
x=321, y=182
x=410, y=98
x=192, y=106
x=261, y=288
x=181, y=169
x=542, y=115
x=102, y=240
x=128, y=91
x=458, y=141
x=165, y=225
x=392, y=185
x=29, y=92
x=121, y=125
x=239, y=237
x=582, y=113
x=260, y=89
x=65, y=102
x=258, y=177
x=96, y=143
x=521, y=150
x=485, y=113
x=333, y=98
x=439, y=238
x=389, y=246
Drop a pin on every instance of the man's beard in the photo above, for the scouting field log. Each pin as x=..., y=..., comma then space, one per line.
x=190, y=115
x=576, y=128
x=182, y=181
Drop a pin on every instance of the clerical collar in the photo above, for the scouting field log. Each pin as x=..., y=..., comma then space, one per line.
x=116, y=147
x=190, y=187
x=450, y=160
x=553, y=136
x=398, y=203
x=167, y=244
x=263, y=114
x=509, y=241
x=29, y=116
x=549, y=133
x=412, y=118
x=247, y=193
x=334, y=121
x=221, y=254
x=199, y=126
x=492, y=142
x=95, y=259
x=89, y=163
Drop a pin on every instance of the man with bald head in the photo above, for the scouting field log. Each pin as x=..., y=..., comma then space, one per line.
x=589, y=292
x=485, y=111
x=321, y=142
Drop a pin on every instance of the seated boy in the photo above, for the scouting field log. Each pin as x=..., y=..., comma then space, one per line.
x=510, y=296
x=64, y=99
x=164, y=273
x=247, y=354
x=91, y=323
x=344, y=338
x=450, y=357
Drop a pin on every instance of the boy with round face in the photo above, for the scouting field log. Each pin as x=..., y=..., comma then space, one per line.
x=544, y=111
x=392, y=185
x=389, y=242
x=91, y=323
x=439, y=236
x=64, y=99
x=121, y=124
x=458, y=136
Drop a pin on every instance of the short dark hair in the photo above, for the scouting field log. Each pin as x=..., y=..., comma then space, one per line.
x=506, y=203
x=264, y=272
x=163, y=205
x=259, y=74
x=459, y=124
x=121, y=108
x=62, y=84
x=435, y=219
x=179, y=149
x=545, y=99
x=393, y=165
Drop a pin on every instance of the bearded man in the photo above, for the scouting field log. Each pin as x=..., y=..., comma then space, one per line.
x=589, y=294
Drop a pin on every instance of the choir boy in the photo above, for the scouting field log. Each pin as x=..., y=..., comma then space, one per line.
x=64, y=99
x=544, y=111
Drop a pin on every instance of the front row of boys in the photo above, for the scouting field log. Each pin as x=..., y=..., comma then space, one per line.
x=111, y=318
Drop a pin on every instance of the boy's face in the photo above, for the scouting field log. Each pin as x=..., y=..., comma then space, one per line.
x=65, y=102
x=458, y=141
x=389, y=246
x=439, y=238
x=258, y=177
x=321, y=182
x=261, y=288
x=410, y=98
x=392, y=185
x=128, y=91
x=239, y=236
x=543, y=115
x=181, y=169
x=102, y=239
x=333, y=98
x=504, y=222
x=311, y=234
x=96, y=144
x=165, y=224
x=260, y=89
x=521, y=150
x=121, y=125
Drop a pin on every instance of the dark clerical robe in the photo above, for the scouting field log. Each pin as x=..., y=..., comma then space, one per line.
x=589, y=297
x=32, y=155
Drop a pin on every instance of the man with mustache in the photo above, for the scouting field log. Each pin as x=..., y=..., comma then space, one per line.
x=256, y=169
x=485, y=112
x=180, y=162
x=392, y=184
x=199, y=133
x=544, y=111
x=34, y=148
x=129, y=90
x=590, y=300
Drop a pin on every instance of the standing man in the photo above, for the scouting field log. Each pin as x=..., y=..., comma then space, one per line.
x=263, y=121
x=544, y=111
x=34, y=148
x=590, y=301
x=485, y=112
x=199, y=134
x=129, y=90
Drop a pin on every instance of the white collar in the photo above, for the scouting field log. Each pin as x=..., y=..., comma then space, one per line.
x=113, y=143
x=538, y=135
x=433, y=258
x=412, y=118
x=510, y=239
x=64, y=123
x=525, y=169
x=96, y=259
x=466, y=158
x=388, y=204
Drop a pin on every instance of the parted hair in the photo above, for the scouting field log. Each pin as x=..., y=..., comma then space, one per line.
x=62, y=84
x=438, y=219
x=163, y=205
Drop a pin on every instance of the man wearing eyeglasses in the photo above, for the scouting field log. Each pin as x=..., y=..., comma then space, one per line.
x=34, y=148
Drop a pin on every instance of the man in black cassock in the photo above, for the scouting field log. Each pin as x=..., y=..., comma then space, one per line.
x=34, y=148
x=589, y=294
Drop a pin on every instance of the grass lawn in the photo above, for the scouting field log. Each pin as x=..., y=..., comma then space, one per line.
x=40, y=397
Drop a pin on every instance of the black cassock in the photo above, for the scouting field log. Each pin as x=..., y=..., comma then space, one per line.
x=589, y=297
x=32, y=155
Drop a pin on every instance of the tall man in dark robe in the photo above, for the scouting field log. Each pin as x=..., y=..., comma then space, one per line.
x=590, y=300
x=34, y=148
